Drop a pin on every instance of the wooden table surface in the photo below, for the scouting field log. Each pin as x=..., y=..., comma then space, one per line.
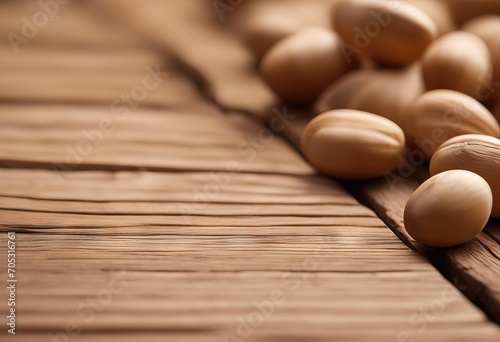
x=153, y=198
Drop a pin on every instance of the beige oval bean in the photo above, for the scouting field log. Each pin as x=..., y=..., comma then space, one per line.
x=388, y=93
x=391, y=32
x=300, y=67
x=464, y=10
x=352, y=144
x=488, y=29
x=448, y=209
x=439, y=12
x=439, y=115
x=458, y=61
x=264, y=31
x=341, y=93
x=264, y=23
x=472, y=152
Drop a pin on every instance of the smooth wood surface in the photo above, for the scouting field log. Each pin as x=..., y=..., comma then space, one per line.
x=185, y=219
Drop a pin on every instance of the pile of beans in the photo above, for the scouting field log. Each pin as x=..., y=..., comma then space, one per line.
x=396, y=79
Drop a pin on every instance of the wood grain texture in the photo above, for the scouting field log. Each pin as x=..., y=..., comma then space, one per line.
x=138, y=139
x=211, y=304
x=68, y=27
x=151, y=238
x=194, y=273
x=110, y=77
x=220, y=77
x=477, y=262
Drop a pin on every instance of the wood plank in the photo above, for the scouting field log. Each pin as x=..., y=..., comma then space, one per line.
x=32, y=136
x=172, y=303
x=109, y=77
x=99, y=186
x=230, y=253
